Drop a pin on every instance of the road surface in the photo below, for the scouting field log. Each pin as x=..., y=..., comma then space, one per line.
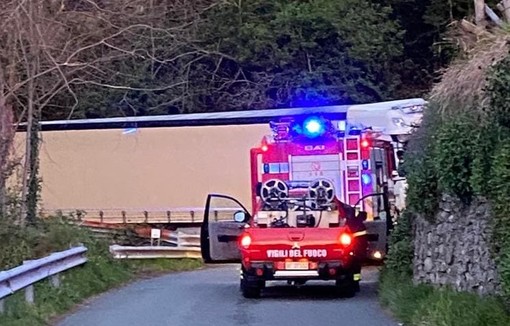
x=211, y=297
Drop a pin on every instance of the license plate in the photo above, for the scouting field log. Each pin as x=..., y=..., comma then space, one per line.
x=296, y=265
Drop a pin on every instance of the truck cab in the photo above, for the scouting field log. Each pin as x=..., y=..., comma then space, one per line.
x=319, y=207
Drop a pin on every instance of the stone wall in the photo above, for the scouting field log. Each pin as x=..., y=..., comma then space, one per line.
x=455, y=250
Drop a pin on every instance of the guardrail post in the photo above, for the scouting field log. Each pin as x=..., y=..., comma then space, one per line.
x=123, y=217
x=23, y=277
x=168, y=215
x=192, y=213
x=55, y=280
x=146, y=214
x=29, y=294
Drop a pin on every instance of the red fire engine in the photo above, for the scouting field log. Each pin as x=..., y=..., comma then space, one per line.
x=319, y=195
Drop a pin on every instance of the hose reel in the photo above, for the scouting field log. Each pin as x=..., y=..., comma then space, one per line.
x=322, y=193
x=274, y=192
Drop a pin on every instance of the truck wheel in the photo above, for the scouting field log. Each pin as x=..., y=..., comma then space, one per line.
x=345, y=288
x=250, y=289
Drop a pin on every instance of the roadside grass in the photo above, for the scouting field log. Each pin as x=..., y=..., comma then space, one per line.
x=423, y=305
x=101, y=272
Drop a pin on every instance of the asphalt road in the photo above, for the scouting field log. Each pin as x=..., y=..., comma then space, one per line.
x=211, y=297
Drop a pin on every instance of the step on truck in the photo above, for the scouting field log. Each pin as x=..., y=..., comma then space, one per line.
x=320, y=207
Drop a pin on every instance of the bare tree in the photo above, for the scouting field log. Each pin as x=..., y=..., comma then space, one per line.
x=6, y=139
x=48, y=49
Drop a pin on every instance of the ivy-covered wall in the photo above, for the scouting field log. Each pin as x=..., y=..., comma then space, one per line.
x=466, y=156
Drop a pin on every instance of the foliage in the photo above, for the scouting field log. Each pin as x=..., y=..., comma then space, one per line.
x=499, y=79
x=401, y=250
x=313, y=52
x=500, y=190
x=428, y=45
x=211, y=55
x=100, y=273
x=466, y=152
x=499, y=182
x=485, y=138
x=34, y=181
x=422, y=305
x=422, y=177
x=453, y=157
x=256, y=55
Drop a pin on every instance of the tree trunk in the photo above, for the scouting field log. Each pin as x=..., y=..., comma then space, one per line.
x=29, y=190
x=6, y=139
x=480, y=13
x=26, y=166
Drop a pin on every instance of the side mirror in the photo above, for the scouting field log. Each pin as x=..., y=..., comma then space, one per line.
x=363, y=215
x=240, y=217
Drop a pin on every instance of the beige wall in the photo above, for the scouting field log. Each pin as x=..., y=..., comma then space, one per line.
x=155, y=168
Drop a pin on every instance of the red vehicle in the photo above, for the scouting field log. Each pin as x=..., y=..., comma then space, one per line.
x=313, y=215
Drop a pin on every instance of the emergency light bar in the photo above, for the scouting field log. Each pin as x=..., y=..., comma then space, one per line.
x=311, y=127
x=314, y=127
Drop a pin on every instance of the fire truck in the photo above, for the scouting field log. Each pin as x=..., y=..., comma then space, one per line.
x=320, y=206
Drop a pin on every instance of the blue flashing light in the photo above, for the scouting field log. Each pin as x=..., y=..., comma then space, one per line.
x=313, y=127
x=364, y=164
x=354, y=132
x=366, y=179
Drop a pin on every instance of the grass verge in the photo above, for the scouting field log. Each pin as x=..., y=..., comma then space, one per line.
x=423, y=305
x=101, y=273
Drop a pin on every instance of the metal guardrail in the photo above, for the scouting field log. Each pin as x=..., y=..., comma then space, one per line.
x=32, y=271
x=181, y=239
x=181, y=215
x=186, y=246
x=151, y=252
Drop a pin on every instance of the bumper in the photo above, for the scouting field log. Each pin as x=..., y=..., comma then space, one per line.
x=327, y=270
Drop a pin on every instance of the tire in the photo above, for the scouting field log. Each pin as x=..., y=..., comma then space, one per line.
x=346, y=288
x=357, y=286
x=250, y=287
x=250, y=290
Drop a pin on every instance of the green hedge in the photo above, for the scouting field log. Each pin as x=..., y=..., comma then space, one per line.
x=464, y=155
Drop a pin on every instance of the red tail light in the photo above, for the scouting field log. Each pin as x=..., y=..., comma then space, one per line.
x=245, y=241
x=345, y=239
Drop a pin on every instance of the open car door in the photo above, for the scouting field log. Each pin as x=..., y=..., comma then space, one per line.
x=378, y=229
x=224, y=220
